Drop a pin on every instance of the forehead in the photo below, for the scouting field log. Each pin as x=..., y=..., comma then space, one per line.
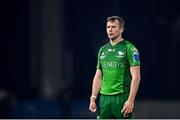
x=115, y=22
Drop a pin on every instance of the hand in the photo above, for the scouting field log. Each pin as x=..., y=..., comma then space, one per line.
x=92, y=106
x=128, y=108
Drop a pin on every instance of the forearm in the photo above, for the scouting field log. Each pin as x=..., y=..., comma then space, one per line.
x=95, y=90
x=96, y=87
x=96, y=83
x=134, y=88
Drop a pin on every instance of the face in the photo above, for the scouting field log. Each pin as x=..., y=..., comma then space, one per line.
x=113, y=29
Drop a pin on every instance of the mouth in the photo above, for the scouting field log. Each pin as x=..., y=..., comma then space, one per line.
x=110, y=34
x=113, y=36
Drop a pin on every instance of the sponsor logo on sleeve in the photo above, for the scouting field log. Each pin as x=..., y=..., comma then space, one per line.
x=135, y=56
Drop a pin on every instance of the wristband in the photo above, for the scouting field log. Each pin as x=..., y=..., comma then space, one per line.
x=93, y=96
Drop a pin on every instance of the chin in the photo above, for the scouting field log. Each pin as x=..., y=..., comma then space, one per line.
x=111, y=37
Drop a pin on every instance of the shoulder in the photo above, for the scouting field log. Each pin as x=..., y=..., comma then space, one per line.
x=130, y=45
x=104, y=47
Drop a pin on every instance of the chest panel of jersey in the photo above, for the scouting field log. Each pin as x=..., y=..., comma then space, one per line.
x=115, y=69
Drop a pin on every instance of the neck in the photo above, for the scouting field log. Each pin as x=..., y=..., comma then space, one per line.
x=117, y=40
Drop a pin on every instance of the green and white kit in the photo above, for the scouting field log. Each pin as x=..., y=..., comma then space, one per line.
x=115, y=62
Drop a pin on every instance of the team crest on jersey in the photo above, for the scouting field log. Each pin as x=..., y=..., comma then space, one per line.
x=120, y=54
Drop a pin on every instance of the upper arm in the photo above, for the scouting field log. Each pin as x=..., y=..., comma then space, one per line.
x=98, y=74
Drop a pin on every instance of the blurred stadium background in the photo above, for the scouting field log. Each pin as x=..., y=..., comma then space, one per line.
x=49, y=50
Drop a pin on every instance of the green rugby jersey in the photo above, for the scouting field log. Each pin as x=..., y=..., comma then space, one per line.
x=114, y=62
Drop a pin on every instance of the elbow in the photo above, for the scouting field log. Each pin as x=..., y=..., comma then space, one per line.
x=136, y=77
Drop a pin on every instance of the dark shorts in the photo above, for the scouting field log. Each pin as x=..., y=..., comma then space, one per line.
x=110, y=106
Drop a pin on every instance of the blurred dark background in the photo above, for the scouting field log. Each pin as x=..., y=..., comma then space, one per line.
x=49, y=52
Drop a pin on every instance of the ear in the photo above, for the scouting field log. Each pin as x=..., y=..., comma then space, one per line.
x=121, y=30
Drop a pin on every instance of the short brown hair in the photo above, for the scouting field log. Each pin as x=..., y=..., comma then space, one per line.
x=113, y=18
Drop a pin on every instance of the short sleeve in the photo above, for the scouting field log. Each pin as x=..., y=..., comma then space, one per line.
x=133, y=55
x=98, y=66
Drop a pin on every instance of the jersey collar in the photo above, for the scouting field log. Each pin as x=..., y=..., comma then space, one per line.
x=117, y=43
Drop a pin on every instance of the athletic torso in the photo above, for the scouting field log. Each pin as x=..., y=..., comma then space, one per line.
x=115, y=61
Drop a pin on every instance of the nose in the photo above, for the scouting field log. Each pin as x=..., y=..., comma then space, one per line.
x=110, y=29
